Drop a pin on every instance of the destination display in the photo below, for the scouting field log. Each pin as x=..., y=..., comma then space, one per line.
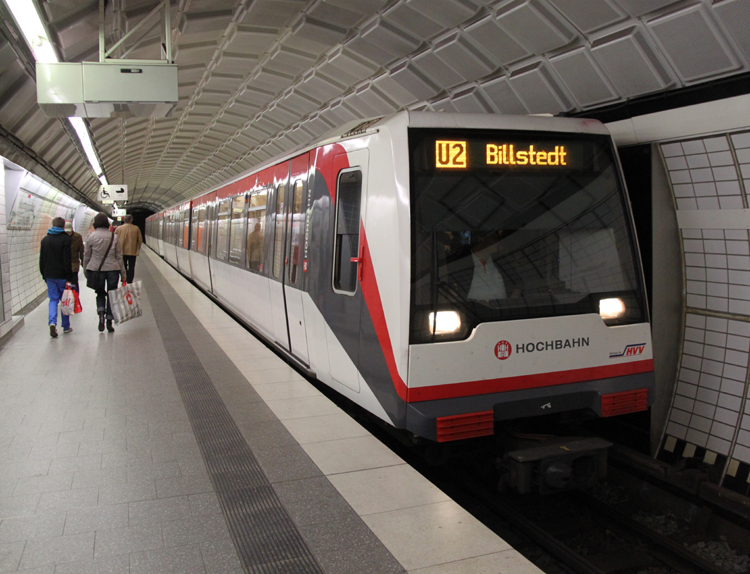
x=458, y=154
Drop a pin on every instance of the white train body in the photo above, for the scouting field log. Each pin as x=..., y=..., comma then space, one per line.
x=443, y=271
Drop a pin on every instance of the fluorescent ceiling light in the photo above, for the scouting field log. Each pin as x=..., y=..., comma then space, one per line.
x=24, y=11
x=27, y=18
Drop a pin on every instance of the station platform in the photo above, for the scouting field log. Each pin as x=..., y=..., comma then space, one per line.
x=181, y=443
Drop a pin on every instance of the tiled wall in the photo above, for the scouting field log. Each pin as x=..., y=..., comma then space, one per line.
x=710, y=415
x=26, y=283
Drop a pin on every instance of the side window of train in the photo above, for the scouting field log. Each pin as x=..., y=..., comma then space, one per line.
x=237, y=230
x=346, y=248
x=256, y=227
x=178, y=228
x=278, y=235
x=222, y=230
x=200, y=225
x=186, y=227
x=298, y=230
x=194, y=228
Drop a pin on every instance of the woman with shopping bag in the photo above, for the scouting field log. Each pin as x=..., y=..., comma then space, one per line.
x=104, y=265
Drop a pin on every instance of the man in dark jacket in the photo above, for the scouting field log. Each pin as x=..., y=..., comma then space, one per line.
x=54, y=264
x=76, y=251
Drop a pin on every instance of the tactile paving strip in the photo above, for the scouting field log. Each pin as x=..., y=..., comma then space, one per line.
x=264, y=535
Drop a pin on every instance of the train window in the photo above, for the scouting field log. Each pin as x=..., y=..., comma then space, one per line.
x=346, y=247
x=185, y=228
x=194, y=229
x=222, y=229
x=278, y=236
x=199, y=239
x=298, y=230
x=237, y=230
x=256, y=227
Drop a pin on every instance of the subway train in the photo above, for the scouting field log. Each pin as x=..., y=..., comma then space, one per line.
x=443, y=271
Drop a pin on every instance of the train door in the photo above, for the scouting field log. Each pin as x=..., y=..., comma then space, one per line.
x=346, y=308
x=294, y=230
x=276, y=286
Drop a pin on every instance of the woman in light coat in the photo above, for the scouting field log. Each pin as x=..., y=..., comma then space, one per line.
x=112, y=266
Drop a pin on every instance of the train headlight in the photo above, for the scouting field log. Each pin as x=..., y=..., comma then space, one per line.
x=611, y=308
x=444, y=323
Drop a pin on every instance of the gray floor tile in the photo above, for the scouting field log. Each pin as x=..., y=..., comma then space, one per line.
x=287, y=463
x=96, y=518
x=313, y=500
x=7, y=486
x=48, y=569
x=162, y=510
x=154, y=471
x=56, y=451
x=42, y=525
x=204, y=504
x=41, y=551
x=181, y=559
x=127, y=540
x=68, y=500
x=183, y=485
x=129, y=492
x=192, y=531
x=105, y=446
x=25, y=469
x=100, y=477
x=349, y=546
x=13, y=506
x=76, y=463
x=10, y=555
x=106, y=565
x=44, y=483
x=220, y=557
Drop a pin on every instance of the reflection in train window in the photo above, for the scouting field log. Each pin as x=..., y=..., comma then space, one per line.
x=278, y=237
x=256, y=227
x=298, y=231
x=237, y=231
x=222, y=229
x=348, y=198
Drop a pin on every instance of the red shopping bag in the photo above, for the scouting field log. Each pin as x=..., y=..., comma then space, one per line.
x=77, y=307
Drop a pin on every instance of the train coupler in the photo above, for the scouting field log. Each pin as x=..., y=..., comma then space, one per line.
x=556, y=465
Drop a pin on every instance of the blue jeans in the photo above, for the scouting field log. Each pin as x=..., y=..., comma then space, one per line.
x=55, y=289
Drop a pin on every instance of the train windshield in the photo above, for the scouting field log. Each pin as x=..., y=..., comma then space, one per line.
x=517, y=225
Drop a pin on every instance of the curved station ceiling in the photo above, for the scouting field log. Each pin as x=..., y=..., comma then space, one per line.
x=261, y=77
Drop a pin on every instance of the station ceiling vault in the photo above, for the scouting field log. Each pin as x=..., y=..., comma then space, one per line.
x=261, y=77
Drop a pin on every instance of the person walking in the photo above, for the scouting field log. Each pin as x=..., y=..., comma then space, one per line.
x=76, y=252
x=131, y=240
x=104, y=255
x=54, y=264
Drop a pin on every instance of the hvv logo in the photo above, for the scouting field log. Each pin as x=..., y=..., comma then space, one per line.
x=630, y=351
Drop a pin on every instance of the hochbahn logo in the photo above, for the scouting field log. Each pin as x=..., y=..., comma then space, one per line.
x=504, y=349
x=629, y=351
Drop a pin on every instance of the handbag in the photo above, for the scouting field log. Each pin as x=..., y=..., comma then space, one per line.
x=77, y=308
x=68, y=300
x=125, y=302
x=93, y=278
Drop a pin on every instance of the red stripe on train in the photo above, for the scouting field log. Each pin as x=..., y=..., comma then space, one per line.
x=472, y=388
x=374, y=304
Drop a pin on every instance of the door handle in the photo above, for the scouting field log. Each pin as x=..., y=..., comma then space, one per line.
x=360, y=261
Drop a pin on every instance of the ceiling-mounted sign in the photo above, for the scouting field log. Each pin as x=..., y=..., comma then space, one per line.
x=117, y=212
x=108, y=194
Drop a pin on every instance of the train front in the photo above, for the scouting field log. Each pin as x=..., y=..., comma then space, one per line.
x=527, y=294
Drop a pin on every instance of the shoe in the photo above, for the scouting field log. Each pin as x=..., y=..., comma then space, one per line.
x=68, y=330
x=101, y=321
x=110, y=328
x=53, y=331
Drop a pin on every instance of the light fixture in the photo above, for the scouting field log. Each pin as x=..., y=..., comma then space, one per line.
x=446, y=322
x=28, y=20
x=611, y=308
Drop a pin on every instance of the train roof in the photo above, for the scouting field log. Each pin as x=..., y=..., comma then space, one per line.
x=425, y=120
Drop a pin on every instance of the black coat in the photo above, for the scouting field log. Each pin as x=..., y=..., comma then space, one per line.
x=54, y=257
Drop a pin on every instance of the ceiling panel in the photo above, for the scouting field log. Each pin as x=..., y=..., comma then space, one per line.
x=257, y=77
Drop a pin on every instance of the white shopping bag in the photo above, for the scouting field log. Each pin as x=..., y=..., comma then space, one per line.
x=125, y=302
x=68, y=301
